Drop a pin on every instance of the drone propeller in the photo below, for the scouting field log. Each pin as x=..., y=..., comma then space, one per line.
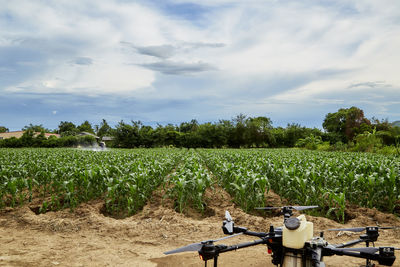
x=368, y=250
x=228, y=222
x=298, y=208
x=197, y=246
x=360, y=229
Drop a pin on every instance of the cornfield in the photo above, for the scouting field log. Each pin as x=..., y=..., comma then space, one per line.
x=125, y=179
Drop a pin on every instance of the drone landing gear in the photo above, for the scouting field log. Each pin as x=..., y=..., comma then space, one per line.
x=215, y=262
x=208, y=252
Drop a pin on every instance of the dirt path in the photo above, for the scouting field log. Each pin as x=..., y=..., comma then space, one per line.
x=86, y=237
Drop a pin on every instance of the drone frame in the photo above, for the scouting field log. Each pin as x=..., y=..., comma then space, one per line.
x=311, y=254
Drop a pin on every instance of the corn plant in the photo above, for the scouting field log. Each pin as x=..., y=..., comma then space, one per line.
x=305, y=177
x=187, y=185
x=240, y=178
x=66, y=177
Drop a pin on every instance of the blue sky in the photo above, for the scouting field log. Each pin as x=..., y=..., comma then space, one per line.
x=176, y=60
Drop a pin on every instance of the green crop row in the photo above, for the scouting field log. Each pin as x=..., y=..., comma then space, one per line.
x=125, y=179
x=327, y=179
x=246, y=184
x=63, y=178
x=187, y=185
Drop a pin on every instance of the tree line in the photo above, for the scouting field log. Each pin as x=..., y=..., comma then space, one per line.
x=345, y=129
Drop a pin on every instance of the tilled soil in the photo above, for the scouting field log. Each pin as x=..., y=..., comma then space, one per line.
x=86, y=237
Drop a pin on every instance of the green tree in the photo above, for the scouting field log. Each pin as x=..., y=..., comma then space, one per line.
x=278, y=134
x=210, y=135
x=66, y=128
x=345, y=124
x=293, y=133
x=395, y=133
x=380, y=125
x=86, y=126
x=228, y=132
x=146, y=138
x=27, y=139
x=35, y=128
x=126, y=135
x=104, y=129
x=170, y=135
x=384, y=130
x=3, y=129
x=191, y=126
x=237, y=138
x=258, y=132
x=368, y=142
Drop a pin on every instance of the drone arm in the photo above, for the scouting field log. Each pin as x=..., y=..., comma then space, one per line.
x=243, y=245
x=238, y=229
x=349, y=244
x=208, y=252
x=257, y=234
x=384, y=257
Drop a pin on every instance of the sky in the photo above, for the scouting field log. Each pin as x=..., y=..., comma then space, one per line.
x=171, y=61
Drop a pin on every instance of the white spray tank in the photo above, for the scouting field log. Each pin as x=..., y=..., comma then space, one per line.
x=296, y=231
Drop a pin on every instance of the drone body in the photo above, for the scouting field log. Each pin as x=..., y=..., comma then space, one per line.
x=293, y=244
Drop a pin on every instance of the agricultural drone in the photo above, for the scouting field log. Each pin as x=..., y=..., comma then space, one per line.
x=293, y=244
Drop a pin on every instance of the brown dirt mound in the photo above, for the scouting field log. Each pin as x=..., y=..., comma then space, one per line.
x=85, y=237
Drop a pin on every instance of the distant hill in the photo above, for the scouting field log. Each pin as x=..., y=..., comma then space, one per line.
x=396, y=123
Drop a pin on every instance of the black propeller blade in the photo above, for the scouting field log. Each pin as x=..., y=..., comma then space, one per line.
x=368, y=250
x=361, y=229
x=191, y=247
x=197, y=246
x=229, y=222
x=355, y=229
x=299, y=208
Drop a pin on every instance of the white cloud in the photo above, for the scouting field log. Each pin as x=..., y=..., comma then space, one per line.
x=119, y=47
x=99, y=78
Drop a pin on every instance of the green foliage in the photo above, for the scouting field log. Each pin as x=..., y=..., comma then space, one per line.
x=239, y=176
x=3, y=129
x=12, y=142
x=345, y=124
x=125, y=179
x=187, y=185
x=258, y=132
x=28, y=138
x=367, y=142
x=388, y=150
x=241, y=131
x=66, y=177
x=85, y=127
x=324, y=146
x=125, y=135
x=339, y=146
x=31, y=139
x=35, y=128
x=104, y=129
x=66, y=128
x=328, y=179
x=310, y=142
x=289, y=136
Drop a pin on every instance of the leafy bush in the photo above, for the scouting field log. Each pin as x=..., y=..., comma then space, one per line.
x=310, y=142
x=368, y=142
x=339, y=146
x=388, y=150
x=325, y=146
x=12, y=142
